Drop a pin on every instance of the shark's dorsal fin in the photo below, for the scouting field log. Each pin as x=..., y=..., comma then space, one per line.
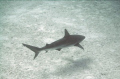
x=66, y=34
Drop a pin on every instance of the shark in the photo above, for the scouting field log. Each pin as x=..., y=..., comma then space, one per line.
x=67, y=41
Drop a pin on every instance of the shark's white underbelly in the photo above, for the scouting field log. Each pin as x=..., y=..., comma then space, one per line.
x=60, y=46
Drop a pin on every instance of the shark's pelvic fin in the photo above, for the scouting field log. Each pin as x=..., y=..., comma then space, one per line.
x=58, y=49
x=34, y=49
x=78, y=45
x=66, y=34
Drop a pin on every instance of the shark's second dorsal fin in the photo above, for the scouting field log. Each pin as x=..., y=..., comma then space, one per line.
x=66, y=34
x=47, y=44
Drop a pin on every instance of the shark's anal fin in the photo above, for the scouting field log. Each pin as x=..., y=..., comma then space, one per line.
x=58, y=49
x=66, y=34
x=78, y=45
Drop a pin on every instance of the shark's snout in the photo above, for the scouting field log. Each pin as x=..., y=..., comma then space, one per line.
x=83, y=37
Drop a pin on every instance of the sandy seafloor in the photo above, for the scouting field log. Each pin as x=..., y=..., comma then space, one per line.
x=39, y=22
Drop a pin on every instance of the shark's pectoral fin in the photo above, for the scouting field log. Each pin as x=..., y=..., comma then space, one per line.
x=66, y=34
x=78, y=45
x=58, y=49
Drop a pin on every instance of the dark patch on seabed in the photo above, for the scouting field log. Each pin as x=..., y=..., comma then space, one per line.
x=74, y=66
x=40, y=22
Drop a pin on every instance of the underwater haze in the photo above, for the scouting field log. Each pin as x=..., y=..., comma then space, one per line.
x=38, y=23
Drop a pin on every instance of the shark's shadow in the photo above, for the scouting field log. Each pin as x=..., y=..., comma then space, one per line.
x=74, y=66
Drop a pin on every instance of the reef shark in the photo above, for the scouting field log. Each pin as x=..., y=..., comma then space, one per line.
x=67, y=41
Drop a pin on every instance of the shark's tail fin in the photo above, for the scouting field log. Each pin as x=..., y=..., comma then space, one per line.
x=34, y=49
